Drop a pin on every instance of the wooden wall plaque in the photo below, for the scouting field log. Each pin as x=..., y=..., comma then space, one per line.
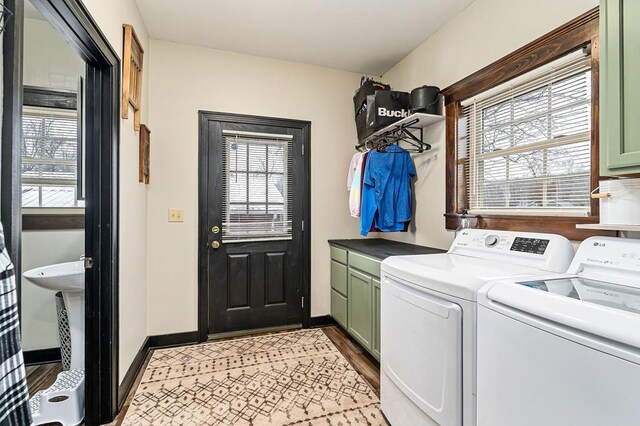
x=132, y=60
x=145, y=146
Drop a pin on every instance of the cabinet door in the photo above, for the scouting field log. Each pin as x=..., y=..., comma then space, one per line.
x=375, y=349
x=339, y=308
x=360, y=302
x=339, y=277
x=619, y=87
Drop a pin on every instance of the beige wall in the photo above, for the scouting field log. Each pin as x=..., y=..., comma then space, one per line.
x=484, y=32
x=110, y=15
x=185, y=79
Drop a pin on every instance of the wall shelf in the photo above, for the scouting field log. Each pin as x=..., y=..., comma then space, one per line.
x=402, y=129
x=598, y=226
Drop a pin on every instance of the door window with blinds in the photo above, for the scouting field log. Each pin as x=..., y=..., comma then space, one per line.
x=49, y=158
x=257, y=173
x=524, y=147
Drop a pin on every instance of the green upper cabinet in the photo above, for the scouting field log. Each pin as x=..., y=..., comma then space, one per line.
x=619, y=87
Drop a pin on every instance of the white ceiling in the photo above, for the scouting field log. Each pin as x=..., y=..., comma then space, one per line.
x=364, y=36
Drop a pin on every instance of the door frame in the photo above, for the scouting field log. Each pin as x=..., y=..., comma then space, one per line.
x=74, y=23
x=204, y=117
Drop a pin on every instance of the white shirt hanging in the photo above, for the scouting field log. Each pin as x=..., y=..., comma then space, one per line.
x=352, y=169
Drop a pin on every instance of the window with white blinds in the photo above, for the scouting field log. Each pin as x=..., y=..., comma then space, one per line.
x=49, y=158
x=257, y=182
x=525, y=146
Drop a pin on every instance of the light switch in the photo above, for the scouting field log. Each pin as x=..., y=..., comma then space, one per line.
x=176, y=215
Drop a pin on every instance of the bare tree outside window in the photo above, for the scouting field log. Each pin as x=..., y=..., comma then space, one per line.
x=532, y=150
x=49, y=158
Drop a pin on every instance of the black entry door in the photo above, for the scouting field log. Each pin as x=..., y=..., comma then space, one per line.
x=256, y=202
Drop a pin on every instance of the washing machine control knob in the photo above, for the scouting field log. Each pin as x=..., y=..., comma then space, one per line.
x=491, y=240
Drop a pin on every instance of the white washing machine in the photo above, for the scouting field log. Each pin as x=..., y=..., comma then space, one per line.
x=564, y=350
x=428, y=316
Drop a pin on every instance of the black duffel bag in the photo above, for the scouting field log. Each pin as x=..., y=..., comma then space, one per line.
x=386, y=107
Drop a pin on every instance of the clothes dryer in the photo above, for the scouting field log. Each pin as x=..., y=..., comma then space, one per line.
x=428, y=320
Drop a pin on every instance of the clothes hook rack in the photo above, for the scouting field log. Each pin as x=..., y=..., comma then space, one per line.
x=409, y=130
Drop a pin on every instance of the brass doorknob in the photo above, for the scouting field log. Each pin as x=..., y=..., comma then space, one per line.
x=215, y=244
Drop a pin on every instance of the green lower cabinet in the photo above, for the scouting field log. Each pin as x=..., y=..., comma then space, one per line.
x=360, y=304
x=339, y=308
x=339, y=277
x=375, y=350
x=355, y=296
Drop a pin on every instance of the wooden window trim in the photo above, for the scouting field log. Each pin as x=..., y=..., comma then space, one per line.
x=59, y=221
x=45, y=97
x=579, y=32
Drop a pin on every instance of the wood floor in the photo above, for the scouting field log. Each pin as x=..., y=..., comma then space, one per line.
x=42, y=376
x=361, y=361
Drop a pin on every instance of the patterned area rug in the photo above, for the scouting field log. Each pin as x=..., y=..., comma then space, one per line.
x=289, y=378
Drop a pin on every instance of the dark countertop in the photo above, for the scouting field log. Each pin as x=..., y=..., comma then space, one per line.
x=381, y=249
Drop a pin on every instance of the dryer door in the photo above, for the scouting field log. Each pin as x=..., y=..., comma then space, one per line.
x=421, y=352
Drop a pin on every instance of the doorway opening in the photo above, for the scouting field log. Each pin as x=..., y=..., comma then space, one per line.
x=41, y=165
x=52, y=198
x=254, y=222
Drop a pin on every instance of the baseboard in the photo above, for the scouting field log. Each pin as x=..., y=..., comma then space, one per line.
x=175, y=339
x=42, y=356
x=151, y=342
x=321, y=321
x=132, y=373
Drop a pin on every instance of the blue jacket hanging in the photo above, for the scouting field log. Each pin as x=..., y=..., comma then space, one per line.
x=386, y=192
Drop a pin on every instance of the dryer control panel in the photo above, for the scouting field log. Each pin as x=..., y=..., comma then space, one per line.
x=530, y=245
x=545, y=251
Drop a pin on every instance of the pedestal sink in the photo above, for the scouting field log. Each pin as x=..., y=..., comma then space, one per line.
x=69, y=279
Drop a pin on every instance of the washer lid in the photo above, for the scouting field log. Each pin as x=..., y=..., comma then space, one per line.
x=614, y=323
x=591, y=291
x=453, y=274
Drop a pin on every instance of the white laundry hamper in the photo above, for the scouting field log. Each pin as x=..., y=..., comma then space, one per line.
x=619, y=202
x=64, y=332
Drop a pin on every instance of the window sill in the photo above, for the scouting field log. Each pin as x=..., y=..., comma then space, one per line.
x=52, y=221
x=561, y=225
